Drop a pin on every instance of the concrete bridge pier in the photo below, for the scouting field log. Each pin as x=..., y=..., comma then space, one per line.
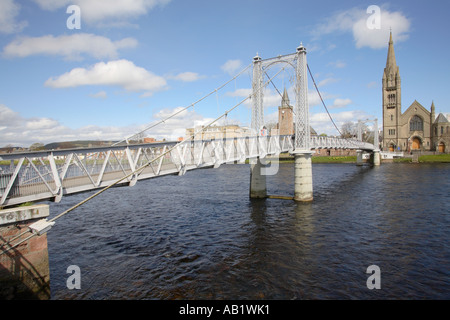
x=359, y=158
x=303, y=184
x=258, y=188
x=375, y=158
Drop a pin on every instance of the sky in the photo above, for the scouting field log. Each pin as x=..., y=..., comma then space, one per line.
x=105, y=69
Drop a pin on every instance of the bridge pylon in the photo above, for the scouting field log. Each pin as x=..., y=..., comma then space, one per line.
x=258, y=187
x=301, y=149
x=303, y=187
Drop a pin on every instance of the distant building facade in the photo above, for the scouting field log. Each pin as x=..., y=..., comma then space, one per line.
x=218, y=132
x=416, y=128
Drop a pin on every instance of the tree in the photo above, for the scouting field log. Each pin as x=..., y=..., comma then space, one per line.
x=36, y=146
x=271, y=125
x=348, y=130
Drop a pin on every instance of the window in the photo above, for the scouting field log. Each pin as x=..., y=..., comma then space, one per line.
x=392, y=132
x=391, y=101
x=392, y=117
x=442, y=130
x=416, y=124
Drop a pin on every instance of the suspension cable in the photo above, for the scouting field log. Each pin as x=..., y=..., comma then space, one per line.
x=184, y=109
x=320, y=96
x=274, y=85
x=135, y=172
x=331, y=118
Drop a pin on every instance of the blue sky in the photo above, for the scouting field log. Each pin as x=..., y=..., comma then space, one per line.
x=134, y=62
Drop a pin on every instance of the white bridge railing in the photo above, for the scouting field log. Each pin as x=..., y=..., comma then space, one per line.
x=48, y=175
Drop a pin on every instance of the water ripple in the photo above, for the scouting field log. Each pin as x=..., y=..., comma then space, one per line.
x=201, y=237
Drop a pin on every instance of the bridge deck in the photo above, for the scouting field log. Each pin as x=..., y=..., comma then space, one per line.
x=44, y=175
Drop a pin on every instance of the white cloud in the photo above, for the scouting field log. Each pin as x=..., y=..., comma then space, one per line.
x=9, y=11
x=326, y=81
x=122, y=73
x=322, y=124
x=314, y=98
x=8, y=116
x=176, y=126
x=20, y=131
x=355, y=21
x=341, y=103
x=377, y=39
x=70, y=47
x=100, y=95
x=273, y=99
x=52, y=4
x=338, y=64
x=105, y=10
x=187, y=77
x=240, y=93
x=40, y=123
x=232, y=67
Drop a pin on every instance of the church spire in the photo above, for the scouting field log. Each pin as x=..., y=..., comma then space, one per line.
x=391, y=64
x=285, y=99
x=391, y=72
x=432, y=114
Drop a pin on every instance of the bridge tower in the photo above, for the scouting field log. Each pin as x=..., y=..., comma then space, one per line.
x=302, y=149
x=258, y=188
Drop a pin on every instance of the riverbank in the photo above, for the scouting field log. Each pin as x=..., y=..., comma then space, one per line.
x=440, y=158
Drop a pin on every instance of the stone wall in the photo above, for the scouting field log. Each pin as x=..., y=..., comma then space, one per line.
x=24, y=270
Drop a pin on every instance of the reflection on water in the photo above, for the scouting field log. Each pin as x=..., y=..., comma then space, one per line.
x=201, y=237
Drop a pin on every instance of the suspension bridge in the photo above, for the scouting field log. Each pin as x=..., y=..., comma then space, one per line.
x=50, y=175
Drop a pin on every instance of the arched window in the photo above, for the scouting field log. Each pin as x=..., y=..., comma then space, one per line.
x=416, y=124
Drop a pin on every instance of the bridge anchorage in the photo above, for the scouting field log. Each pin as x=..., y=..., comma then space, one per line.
x=304, y=144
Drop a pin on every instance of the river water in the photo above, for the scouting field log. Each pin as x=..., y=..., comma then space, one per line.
x=200, y=236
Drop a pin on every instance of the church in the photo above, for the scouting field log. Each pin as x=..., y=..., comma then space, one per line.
x=417, y=129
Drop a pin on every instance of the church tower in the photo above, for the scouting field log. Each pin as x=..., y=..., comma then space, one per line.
x=285, y=116
x=391, y=100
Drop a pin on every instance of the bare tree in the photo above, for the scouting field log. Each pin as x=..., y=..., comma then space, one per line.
x=36, y=146
x=348, y=130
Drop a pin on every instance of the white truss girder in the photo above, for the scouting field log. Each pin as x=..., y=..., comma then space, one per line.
x=44, y=175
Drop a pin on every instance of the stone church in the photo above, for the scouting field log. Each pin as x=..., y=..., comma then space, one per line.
x=416, y=128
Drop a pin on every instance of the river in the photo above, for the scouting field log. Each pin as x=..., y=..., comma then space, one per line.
x=200, y=236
